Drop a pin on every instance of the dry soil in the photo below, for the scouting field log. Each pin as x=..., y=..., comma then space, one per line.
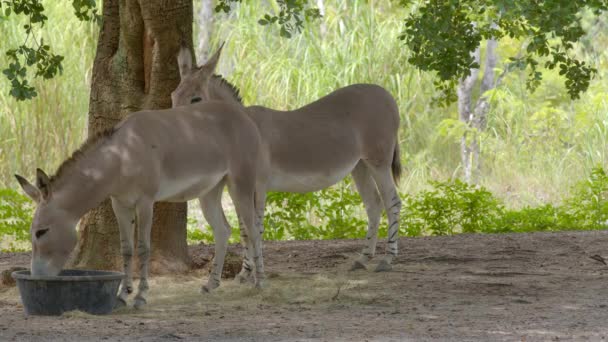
x=512, y=287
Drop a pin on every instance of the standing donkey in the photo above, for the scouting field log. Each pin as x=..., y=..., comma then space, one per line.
x=352, y=130
x=164, y=155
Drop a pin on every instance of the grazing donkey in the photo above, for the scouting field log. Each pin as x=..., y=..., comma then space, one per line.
x=352, y=130
x=163, y=155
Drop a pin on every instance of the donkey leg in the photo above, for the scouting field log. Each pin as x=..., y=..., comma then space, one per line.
x=125, y=217
x=392, y=205
x=246, y=274
x=373, y=206
x=243, y=197
x=144, y=225
x=211, y=204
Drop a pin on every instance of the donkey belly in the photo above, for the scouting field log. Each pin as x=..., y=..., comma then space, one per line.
x=186, y=188
x=309, y=180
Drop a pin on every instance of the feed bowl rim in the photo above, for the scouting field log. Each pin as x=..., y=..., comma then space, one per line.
x=101, y=276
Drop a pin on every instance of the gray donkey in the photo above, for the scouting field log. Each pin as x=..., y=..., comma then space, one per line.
x=164, y=155
x=352, y=130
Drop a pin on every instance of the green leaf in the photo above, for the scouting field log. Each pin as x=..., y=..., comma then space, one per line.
x=284, y=33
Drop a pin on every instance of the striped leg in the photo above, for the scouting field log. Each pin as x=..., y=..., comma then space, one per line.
x=144, y=226
x=211, y=204
x=243, y=197
x=392, y=205
x=373, y=206
x=246, y=274
x=126, y=220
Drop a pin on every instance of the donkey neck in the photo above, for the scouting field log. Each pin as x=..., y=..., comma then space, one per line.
x=86, y=182
x=222, y=90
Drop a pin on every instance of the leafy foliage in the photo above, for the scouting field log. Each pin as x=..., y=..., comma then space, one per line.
x=455, y=207
x=15, y=219
x=86, y=10
x=450, y=207
x=194, y=233
x=33, y=51
x=446, y=208
x=327, y=214
x=535, y=148
x=528, y=219
x=291, y=16
x=443, y=34
x=588, y=208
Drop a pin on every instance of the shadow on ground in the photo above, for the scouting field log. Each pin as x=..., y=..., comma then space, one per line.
x=541, y=286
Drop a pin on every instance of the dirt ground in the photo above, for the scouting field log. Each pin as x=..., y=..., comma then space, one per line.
x=515, y=287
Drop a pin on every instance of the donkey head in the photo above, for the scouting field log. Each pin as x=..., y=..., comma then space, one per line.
x=53, y=230
x=194, y=84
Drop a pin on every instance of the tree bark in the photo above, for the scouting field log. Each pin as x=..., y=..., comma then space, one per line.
x=135, y=68
x=465, y=94
x=205, y=24
x=482, y=107
x=475, y=116
x=322, y=26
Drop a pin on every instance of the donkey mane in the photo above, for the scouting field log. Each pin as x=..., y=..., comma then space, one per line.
x=107, y=133
x=81, y=151
x=231, y=87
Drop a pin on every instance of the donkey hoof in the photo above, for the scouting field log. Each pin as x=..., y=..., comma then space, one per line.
x=209, y=287
x=260, y=284
x=383, y=266
x=243, y=278
x=120, y=303
x=357, y=265
x=139, y=303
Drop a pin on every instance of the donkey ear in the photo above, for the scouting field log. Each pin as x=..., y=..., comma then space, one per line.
x=212, y=61
x=184, y=61
x=30, y=190
x=43, y=183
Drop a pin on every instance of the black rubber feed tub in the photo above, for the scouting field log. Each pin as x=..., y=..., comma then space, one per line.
x=85, y=290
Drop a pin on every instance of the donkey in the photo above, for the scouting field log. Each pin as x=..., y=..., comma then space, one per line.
x=352, y=130
x=155, y=155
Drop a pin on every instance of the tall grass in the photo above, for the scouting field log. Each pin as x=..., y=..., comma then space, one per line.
x=44, y=131
x=536, y=145
x=360, y=45
x=535, y=148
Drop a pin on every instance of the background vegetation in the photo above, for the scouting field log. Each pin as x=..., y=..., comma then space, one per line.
x=543, y=155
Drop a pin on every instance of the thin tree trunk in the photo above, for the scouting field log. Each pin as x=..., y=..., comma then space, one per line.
x=322, y=27
x=465, y=92
x=135, y=68
x=474, y=117
x=482, y=107
x=205, y=24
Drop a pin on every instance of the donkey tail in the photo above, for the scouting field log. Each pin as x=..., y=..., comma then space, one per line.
x=396, y=164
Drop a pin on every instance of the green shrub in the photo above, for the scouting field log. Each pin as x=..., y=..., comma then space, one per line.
x=16, y=213
x=588, y=208
x=331, y=213
x=450, y=207
x=337, y=212
x=287, y=216
x=547, y=217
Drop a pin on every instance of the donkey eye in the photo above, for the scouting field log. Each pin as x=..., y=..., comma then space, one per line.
x=41, y=232
x=195, y=100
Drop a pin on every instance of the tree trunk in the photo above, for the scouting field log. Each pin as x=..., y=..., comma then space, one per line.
x=135, y=68
x=475, y=116
x=322, y=27
x=482, y=107
x=465, y=94
x=205, y=25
